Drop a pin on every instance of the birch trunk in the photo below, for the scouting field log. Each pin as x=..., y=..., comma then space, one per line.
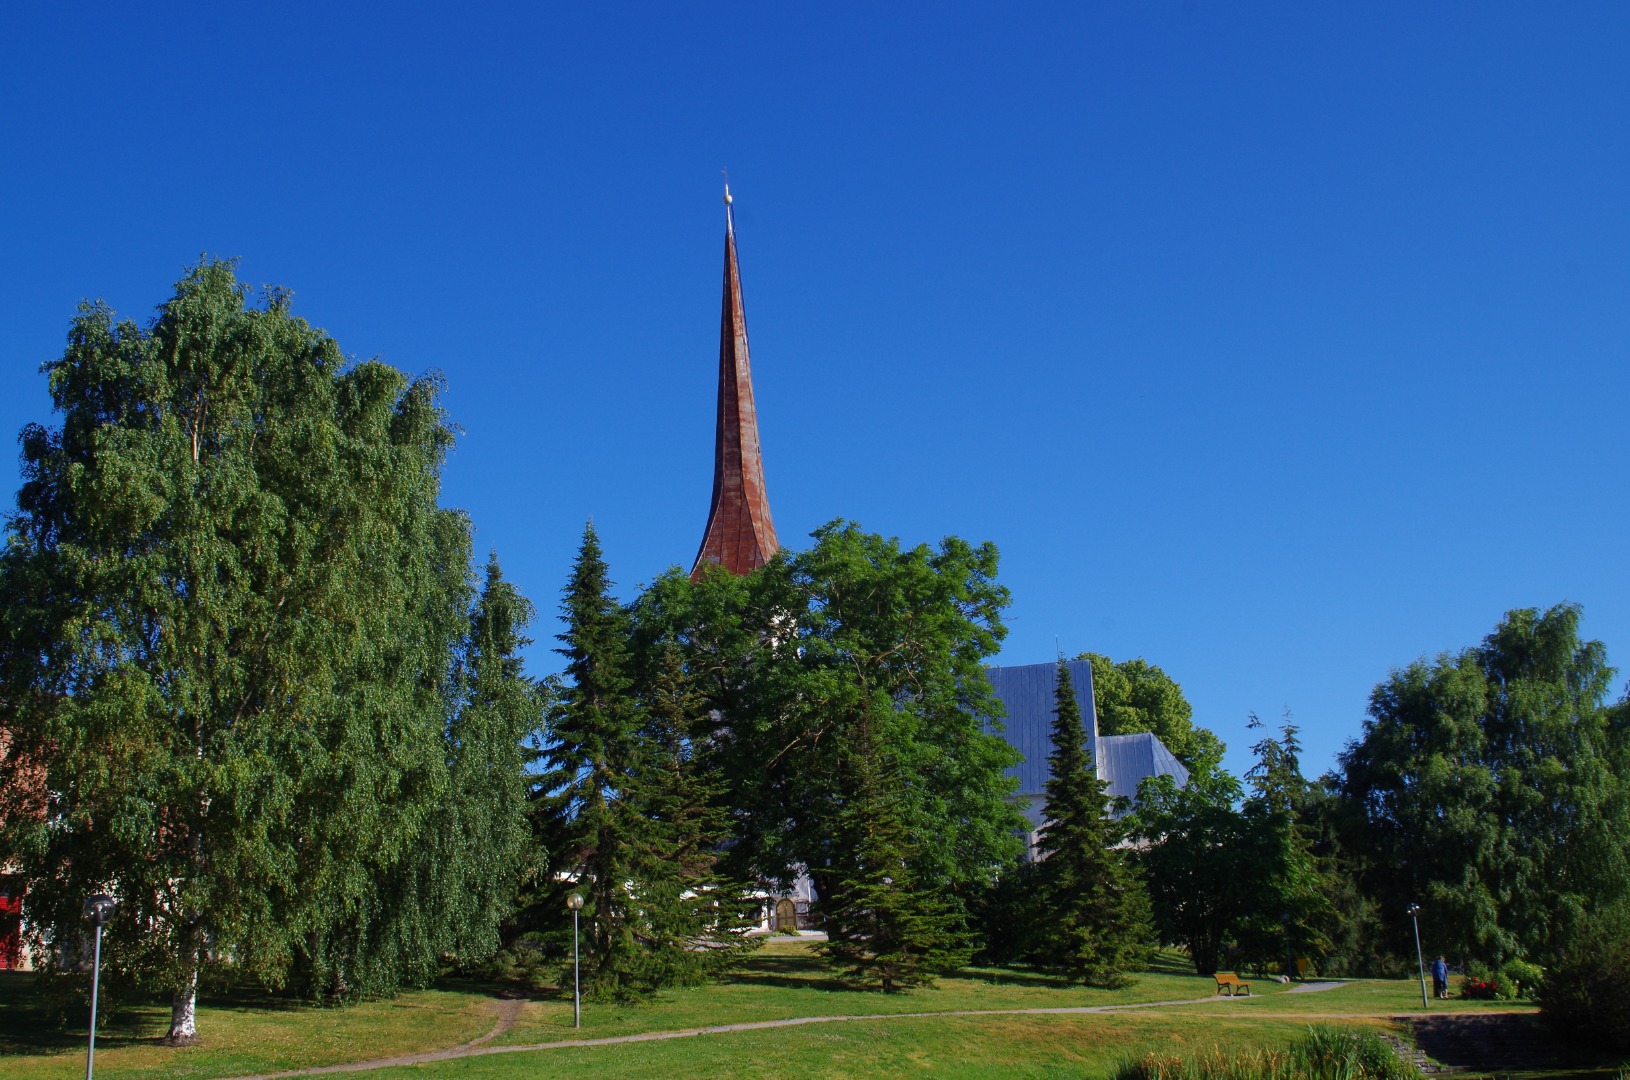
x=184, y=1005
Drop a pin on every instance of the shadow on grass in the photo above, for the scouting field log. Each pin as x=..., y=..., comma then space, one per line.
x=1006, y=976
x=807, y=971
x=25, y=1027
x=1170, y=962
x=512, y=989
x=789, y=972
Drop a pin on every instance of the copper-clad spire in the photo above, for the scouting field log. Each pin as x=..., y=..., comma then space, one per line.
x=740, y=535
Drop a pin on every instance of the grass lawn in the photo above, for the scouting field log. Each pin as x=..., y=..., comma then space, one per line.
x=1053, y=1046
x=253, y=1034
x=786, y=979
x=245, y=1034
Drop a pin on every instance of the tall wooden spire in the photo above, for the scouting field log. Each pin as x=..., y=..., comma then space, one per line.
x=740, y=535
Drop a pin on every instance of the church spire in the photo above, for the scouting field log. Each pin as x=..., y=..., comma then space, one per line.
x=740, y=535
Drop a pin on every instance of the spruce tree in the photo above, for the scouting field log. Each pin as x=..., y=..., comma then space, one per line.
x=693, y=915
x=594, y=753
x=887, y=926
x=1094, y=914
x=1295, y=890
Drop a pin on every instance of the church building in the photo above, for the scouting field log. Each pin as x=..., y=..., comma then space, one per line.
x=1028, y=694
x=740, y=536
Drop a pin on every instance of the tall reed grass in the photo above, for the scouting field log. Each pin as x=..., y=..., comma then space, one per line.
x=1322, y=1053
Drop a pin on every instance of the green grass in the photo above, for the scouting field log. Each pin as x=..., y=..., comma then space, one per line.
x=1372, y=997
x=252, y=1034
x=1001, y=1047
x=241, y=1034
x=786, y=980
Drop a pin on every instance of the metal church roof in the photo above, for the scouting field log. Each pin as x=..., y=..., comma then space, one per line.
x=1028, y=693
x=1127, y=760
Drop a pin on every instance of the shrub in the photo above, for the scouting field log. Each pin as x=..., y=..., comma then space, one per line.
x=1525, y=978
x=1586, y=993
x=1484, y=984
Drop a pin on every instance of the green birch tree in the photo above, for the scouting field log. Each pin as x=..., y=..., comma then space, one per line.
x=230, y=611
x=1490, y=785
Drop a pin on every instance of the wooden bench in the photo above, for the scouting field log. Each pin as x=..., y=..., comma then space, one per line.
x=1227, y=980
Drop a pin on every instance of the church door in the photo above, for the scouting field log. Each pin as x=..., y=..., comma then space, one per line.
x=786, y=916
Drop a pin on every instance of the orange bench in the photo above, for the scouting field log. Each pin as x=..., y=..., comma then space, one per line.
x=1227, y=980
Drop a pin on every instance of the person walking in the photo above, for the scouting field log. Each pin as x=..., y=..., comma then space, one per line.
x=1440, y=977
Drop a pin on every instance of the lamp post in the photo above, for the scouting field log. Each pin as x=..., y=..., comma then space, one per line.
x=98, y=909
x=575, y=902
x=1420, y=962
x=1290, y=951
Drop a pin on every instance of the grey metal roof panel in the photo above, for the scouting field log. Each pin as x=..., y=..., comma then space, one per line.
x=1125, y=761
x=1028, y=691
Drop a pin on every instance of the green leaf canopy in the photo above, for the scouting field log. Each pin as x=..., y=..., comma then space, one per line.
x=232, y=614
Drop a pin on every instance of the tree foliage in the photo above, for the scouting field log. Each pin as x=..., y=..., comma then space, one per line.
x=1490, y=786
x=1585, y=996
x=887, y=925
x=1296, y=889
x=1196, y=859
x=594, y=749
x=1091, y=914
x=1134, y=695
x=232, y=615
x=1231, y=874
x=854, y=647
x=1359, y=931
x=636, y=822
x=694, y=913
x=483, y=816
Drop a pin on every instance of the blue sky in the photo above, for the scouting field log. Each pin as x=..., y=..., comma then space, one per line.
x=1277, y=344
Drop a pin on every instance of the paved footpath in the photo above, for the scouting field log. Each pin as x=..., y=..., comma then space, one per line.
x=509, y=1011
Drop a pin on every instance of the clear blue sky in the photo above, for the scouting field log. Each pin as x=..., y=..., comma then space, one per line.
x=1277, y=344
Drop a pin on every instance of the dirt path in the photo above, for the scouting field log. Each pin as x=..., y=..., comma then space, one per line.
x=509, y=1011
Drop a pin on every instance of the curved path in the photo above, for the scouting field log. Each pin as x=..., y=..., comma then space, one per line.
x=510, y=1010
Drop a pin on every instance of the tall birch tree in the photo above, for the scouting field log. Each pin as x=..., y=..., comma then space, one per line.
x=231, y=609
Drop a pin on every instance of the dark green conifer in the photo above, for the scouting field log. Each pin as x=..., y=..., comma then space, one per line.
x=887, y=926
x=1093, y=915
x=595, y=748
x=692, y=915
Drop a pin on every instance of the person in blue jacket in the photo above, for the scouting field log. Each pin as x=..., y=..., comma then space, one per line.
x=1440, y=977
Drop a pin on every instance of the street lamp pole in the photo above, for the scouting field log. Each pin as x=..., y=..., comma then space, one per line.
x=98, y=909
x=1290, y=951
x=1420, y=961
x=575, y=902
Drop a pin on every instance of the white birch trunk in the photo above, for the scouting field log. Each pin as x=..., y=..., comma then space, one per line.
x=184, y=1005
